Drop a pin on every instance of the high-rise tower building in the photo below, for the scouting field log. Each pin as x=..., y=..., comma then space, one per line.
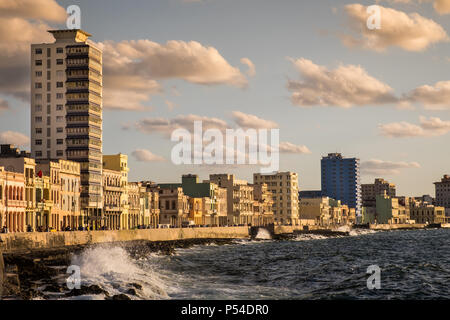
x=66, y=108
x=341, y=180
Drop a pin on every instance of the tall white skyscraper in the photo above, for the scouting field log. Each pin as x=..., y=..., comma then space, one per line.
x=66, y=108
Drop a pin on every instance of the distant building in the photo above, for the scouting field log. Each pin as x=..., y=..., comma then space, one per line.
x=263, y=205
x=426, y=213
x=443, y=194
x=309, y=194
x=325, y=211
x=341, y=180
x=390, y=211
x=284, y=187
x=371, y=190
x=173, y=205
x=239, y=198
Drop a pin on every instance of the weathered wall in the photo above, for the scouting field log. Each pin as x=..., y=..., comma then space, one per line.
x=16, y=242
x=396, y=226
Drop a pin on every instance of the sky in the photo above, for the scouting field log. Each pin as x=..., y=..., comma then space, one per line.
x=313, y=69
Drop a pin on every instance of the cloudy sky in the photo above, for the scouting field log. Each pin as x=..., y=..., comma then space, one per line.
x=310, y=68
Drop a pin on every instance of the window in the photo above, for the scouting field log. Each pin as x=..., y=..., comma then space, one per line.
x=49, y=75
x=48, y=132
x=59, y=130
x=59, y=84
x=38, y=108
x=49, y=63
x=59, y=119
x=49, y=51
x=59, y=96
x=59, y=61
x=59, y=73
x=38, y=62
x=49, y=86
x=38, y=119
x=59, y=107
x=48, y=109
x=38, y=51
x=59, y=50
x=38, y=130
x=49, y=121
x=38, y=142
x=38, y=73
x=38, y=85
x=38, y=153
x=59, y=141
x=59, y=153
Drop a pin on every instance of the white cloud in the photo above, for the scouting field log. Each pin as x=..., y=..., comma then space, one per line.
x=410, y=32
x=166, y=126
x=143, y=63
x=435, y=97
x=346, y=86
x=247, y=121
x=287, y=147
x=426, y=128
x=144, y=155
x=251, y=72
x=379, y=167
x=48, y=10
x=13, y=137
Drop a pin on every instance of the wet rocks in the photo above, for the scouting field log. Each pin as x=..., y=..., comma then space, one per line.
x=119, y=297
x=87, y=290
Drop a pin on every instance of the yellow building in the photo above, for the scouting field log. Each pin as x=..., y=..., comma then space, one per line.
x=119, y=163
x=284, y=187
x=427, y=214
x=239, y=198
x=196, y=211
x=263, y=205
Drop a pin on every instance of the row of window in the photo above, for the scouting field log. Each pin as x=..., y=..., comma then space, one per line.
x=49, y=63
x=38, y=85
x=49, y=50
x=38, y=96
x=38, y=108
x=58, y=130
x=39, y=119
x=38, y=142
x=59, y=153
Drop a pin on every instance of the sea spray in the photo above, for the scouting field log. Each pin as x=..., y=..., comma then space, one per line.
x=263, y=234
x=111, y=267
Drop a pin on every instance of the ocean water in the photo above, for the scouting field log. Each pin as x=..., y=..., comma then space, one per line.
x=414, y=265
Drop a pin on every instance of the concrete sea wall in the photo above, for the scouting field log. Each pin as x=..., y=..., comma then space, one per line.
x=20, y=242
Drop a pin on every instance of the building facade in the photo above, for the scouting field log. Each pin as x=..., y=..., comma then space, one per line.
x=66, y=109
x=284, y=188
x=341, y=180
x=443, y=193
x=371, y=190
x=263, y=206
x=239, y=198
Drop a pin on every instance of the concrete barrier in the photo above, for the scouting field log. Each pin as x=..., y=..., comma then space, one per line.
x=396, y=226
x=19, y=242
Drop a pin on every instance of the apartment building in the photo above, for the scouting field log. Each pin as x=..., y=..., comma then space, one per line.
x=173, y=205
x=239, y=198
x=341, y=180
x=426, y=213
x=262, y=206
x=371, y=190
x=112, y=195
x=117, y=165
x=284, y=187
x=443, y=193
x=66, y=109
x=13, y=205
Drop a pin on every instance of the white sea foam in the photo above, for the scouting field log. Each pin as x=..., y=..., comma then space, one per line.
x=263, y=234
x=114, y=270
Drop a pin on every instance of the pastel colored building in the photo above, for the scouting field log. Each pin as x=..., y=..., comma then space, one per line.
x=284, y=189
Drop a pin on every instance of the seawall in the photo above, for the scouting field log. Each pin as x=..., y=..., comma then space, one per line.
x=22, y=242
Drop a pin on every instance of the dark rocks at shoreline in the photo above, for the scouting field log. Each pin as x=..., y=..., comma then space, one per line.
x=87, y=290
x=119, y=297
